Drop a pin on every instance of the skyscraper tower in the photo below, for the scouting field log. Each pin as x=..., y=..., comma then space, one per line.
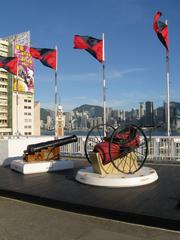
x=149, y=117
x=141, y=110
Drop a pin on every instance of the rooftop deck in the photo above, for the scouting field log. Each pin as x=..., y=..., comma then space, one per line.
x=155, y=205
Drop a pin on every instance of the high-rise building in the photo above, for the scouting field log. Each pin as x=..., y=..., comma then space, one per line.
x=17, y=111
x=108, y=113
x=49, y=121
x=141, y=110
x=175, y=115
x=5, y=126
x=159, y=115
x=149, y=117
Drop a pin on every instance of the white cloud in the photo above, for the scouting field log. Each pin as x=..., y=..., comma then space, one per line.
x=112, y=74
x=80, y=76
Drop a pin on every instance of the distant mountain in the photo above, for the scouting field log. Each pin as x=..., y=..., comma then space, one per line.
x=94, y=111
x=46, y=112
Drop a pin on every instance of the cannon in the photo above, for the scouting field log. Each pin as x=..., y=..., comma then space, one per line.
x=112, y=150
x=46, y=151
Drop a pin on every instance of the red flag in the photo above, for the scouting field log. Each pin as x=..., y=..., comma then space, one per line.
x=9, y=64
x=47, y=56
x=161, y=29
x=92, y=45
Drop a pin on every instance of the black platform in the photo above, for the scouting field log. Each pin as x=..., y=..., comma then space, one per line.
x=156, y=204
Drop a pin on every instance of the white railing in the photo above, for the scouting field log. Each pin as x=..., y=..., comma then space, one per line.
x=74, y=149
x=164, y=149
x=160, y=148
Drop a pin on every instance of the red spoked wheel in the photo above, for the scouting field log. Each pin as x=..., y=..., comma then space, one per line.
x=96, y=135
x=128, y=148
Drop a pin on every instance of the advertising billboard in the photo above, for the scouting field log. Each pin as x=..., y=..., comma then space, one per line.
x=25, y=70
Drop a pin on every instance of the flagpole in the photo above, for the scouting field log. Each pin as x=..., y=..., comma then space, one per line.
x=17, y=107
x=17, y=96
x=104, y=86
x=55, y=92
x=168, y=90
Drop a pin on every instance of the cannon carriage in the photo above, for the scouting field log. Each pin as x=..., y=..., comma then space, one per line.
x=125, y=148
x=46, y=151
x=44, y=157
x=117, y=157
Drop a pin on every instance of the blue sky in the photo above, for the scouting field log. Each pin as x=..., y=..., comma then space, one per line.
x=135, y=58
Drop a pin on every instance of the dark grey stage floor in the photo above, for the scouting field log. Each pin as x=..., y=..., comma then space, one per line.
x=156, y=204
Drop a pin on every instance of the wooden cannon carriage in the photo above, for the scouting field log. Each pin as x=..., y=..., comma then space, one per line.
x=44, y=157
x=46, y=151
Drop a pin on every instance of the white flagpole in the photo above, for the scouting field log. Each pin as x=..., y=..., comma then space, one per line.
x=17, y=96
x=17, y=104
x=168, y=90
x=55, y=92
x=104, y=85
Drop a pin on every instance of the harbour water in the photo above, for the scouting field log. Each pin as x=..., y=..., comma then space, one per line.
x=85, y=132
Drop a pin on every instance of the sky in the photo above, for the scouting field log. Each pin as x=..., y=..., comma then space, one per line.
x=135, y=59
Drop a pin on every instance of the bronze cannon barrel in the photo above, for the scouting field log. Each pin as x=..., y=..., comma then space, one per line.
x=32, y=148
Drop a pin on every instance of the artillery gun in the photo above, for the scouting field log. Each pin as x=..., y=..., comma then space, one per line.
x=123, y=149
x=46, y=151
x=44, y=157
x=117, y=157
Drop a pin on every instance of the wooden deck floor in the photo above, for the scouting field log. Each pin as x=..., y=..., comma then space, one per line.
x=156, y=204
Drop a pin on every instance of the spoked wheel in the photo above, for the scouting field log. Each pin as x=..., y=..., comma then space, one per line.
x=96, y=136
x=128, y=148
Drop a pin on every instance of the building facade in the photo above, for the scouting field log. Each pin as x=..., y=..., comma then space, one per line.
x=5, y=123
x=149, y=120
x=17, y=107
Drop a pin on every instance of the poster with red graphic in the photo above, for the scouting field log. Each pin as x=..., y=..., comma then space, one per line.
x=25, y=83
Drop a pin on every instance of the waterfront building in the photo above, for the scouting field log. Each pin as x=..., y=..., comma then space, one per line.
x=108, y=113
x=68, y=120
x=99, y=120
x=95, y=121
x=84, y=121
x=134, y=113
x=48, y=122
x=115, y=114
x=141, y=110
x=159, y=115
x=5, y=123
x=149, y=116
x=17, y=107
x=41, y=124
x=74, y=123
x=123, y=115
x=91, y=121
x=175, y=115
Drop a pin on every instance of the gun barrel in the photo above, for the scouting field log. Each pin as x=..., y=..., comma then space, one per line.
x=32, y=148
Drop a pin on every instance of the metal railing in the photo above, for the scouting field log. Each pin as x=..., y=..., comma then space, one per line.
x=161, y=148
x=164, y=149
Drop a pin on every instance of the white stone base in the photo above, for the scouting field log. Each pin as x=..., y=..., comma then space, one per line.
x=39, y=167
x=145, y=175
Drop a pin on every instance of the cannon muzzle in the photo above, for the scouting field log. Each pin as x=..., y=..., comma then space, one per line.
x=32, y=148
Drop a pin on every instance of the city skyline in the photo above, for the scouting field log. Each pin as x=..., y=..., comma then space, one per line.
x=87, y=116
x=135, y=58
